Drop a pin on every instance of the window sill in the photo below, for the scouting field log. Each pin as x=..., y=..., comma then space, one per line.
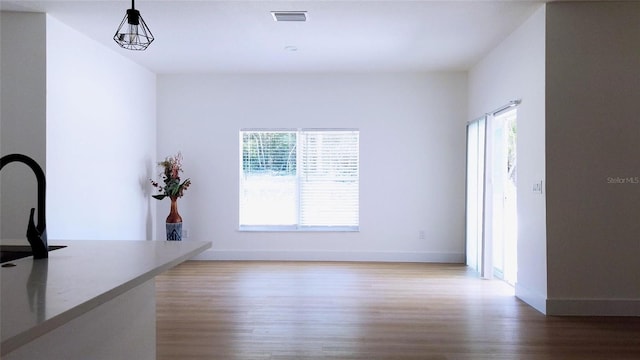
x=293, y=228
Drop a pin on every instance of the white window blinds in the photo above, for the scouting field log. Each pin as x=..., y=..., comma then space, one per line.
x=329, y=178
x=299, y=180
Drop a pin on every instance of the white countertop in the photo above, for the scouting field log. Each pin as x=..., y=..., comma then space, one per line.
x=39, y=295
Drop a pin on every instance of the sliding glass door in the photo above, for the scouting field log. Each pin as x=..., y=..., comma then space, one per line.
x=476, y=135
x=491, y=216
x=503, y=188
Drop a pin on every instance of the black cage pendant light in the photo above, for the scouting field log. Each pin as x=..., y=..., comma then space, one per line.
x=133, y=33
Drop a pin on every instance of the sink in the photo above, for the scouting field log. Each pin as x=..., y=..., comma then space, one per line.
x=15, y=252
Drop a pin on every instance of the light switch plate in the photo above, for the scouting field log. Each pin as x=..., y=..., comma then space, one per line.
x=537, y=187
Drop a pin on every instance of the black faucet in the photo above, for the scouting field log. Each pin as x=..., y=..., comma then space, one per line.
x=36, y=235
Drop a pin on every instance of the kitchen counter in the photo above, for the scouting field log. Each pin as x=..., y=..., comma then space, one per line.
x=39, y=296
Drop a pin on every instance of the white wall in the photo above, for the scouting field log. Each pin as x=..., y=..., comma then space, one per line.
x=412, y=159
x=100, y=140
x=515, y=69
x=22, y=115
x=592, y=135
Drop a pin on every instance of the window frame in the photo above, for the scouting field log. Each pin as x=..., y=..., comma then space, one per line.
x=296, y=227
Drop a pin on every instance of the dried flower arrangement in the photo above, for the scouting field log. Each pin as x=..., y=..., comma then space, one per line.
x=172, y=188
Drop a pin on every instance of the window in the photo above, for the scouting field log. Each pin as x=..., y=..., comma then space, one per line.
x=299, y=180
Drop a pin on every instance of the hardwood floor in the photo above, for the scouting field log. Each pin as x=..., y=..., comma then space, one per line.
x=310, y=310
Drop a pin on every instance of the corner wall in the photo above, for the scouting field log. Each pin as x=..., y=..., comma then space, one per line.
x=515, y=69
x=100, y=140
x=22, y=115
x=412, y=151
x=593, y=158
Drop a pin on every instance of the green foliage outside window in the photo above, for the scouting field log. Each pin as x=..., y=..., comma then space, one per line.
x=269, y=152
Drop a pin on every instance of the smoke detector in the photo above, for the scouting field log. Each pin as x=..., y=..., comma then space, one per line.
x=289, y=15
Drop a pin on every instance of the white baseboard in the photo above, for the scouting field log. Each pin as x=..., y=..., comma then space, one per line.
x=457, y=258
x=532, y=298
x=593, y=307
x=578, y=307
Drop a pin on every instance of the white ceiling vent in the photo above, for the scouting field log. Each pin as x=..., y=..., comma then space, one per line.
x=289, y=15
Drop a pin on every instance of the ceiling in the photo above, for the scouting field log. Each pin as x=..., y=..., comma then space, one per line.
x=211, y=36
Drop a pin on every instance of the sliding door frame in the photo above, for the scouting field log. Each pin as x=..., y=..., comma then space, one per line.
x=479, y=254
x=485, y=268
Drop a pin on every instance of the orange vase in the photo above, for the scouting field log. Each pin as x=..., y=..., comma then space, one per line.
x=174, y=222
x=174, y=217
